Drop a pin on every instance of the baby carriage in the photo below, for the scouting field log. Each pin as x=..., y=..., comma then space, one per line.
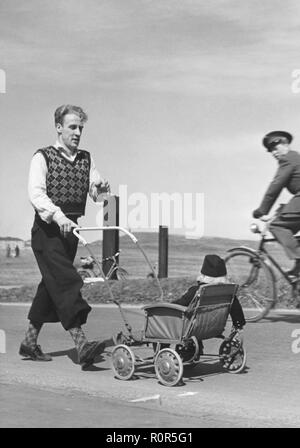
x=174, y=333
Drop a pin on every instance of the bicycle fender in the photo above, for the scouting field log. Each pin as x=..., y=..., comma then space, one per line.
x=244, y=249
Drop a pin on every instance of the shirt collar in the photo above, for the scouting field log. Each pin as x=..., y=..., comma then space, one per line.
x=59, y=148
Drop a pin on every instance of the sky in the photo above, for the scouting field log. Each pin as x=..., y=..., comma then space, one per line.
x=179, y=95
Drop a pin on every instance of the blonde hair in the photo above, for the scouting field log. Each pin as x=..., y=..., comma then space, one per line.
x=212, y=280
x=65, y=109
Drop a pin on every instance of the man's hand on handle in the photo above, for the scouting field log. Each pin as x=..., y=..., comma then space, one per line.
x=66, y=225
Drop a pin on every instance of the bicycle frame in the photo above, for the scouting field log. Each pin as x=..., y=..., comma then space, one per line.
x=270, y=260
x=111, y=270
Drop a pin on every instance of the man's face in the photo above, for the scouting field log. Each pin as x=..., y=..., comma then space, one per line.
x=280, y=151
x=70, y=131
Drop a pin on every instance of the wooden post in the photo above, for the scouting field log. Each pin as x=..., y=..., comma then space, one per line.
x=110, y=243
x=163, y=252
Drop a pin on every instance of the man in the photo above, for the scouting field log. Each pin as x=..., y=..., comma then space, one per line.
x=60, y=178
x=287, y=223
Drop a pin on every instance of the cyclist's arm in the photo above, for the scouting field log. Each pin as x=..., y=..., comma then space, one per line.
x=280, y=181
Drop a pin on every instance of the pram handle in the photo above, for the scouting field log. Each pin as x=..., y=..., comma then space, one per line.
x=84, y=242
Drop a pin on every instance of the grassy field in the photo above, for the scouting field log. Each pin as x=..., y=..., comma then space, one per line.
x=185, y=259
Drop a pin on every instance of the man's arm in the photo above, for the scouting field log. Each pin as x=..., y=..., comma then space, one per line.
x=98, y=185
x=37, y=191
x=280, y=181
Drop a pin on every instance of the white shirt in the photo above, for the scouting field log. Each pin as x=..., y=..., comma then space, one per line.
x=37, y=189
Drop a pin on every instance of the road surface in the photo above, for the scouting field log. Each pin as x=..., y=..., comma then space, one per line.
x=60, y=394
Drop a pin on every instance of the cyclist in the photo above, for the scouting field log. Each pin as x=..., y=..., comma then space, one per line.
x=287, y=222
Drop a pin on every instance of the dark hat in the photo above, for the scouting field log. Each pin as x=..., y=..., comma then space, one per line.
x=213, y=266
x=276, y=137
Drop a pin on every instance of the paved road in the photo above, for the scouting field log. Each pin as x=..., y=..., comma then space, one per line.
x=60, y=394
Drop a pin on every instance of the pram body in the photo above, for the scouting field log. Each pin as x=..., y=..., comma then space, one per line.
x=176, y=333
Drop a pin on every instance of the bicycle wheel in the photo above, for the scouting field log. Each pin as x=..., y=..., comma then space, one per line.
x=121, y=273
x=257, y=290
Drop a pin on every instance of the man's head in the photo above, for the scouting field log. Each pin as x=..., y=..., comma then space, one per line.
x=69, y=122
x=277, y=142
x=213, y=270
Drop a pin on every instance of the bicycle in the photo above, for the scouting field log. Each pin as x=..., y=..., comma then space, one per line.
x=89, y=274
x=255, y=273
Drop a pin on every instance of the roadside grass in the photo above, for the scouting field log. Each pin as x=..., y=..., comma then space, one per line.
x=185, y=259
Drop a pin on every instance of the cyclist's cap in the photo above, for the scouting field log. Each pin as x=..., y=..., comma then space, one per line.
x=274, y=138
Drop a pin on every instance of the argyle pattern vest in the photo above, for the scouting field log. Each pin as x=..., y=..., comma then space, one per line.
x=67, y=182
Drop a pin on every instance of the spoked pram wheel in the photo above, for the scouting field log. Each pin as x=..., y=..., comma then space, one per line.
x=232, y=355
x=168, y=367
x=123, y=362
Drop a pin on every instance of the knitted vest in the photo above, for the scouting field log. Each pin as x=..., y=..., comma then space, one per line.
x=67, y=182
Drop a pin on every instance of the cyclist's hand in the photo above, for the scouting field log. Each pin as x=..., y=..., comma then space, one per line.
x=65, y=225
x=257, y=214
x=265, y=218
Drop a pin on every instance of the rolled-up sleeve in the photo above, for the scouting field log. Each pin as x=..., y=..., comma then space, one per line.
x=37, y=190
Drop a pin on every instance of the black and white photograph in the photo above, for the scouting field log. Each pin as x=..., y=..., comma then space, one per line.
x=150, y=217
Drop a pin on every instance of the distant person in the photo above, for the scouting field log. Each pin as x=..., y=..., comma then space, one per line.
x=287, y=223
x=17, y=251
x=8, y=251
x=60, y=177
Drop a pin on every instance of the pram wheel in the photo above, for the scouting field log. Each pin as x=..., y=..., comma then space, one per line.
x=123, y=362
x=189, y=351
x=168, y=367
x=232, y=355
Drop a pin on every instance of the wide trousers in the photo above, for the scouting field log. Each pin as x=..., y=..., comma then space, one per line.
x=58, y=297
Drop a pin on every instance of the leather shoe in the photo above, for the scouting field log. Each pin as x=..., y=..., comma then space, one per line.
x=90, y=351
x=35, y=354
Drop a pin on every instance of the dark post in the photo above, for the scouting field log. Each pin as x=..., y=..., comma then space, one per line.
x=110, y=243
x=163, y=252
